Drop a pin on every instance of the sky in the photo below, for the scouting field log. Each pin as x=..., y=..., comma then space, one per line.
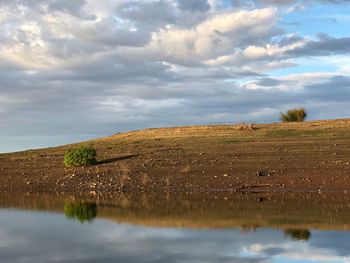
x=71, y=70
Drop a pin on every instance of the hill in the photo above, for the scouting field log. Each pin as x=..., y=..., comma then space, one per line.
x=310, y=156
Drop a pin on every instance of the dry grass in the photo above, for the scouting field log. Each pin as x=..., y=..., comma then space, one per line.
x=228, y=130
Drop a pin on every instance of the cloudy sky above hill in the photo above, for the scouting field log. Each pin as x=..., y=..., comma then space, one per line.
x=77, y=69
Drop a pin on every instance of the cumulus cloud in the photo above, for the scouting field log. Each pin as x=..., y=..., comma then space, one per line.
x=217, y=36
x=324, y=46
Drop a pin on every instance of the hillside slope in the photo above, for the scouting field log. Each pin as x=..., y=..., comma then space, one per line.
x=310, y=156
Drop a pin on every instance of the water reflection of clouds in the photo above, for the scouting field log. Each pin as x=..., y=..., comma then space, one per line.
x=290, y=251
x=37, y=237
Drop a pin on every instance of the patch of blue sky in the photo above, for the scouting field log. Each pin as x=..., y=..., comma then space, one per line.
x=226, y=3
x=333, y=20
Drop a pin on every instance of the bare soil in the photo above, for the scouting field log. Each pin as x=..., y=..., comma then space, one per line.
x=292, y=157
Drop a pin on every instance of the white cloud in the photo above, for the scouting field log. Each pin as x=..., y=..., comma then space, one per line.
x=296, y=251
x=215, y=37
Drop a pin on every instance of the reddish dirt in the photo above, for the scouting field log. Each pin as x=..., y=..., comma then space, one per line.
x=311, y=156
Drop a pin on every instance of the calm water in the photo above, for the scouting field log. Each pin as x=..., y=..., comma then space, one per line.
x=167, y=229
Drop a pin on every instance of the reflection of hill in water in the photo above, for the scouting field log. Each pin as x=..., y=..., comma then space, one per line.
x=214, y=210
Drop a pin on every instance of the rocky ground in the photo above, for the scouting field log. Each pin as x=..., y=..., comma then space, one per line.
x=294, y=157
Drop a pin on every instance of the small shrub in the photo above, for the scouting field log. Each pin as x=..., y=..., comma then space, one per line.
x=84, y=212
x=84, y=155
x=294, y=115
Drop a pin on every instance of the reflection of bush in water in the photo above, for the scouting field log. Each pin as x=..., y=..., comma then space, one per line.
x=80, y=211
x=298, y=234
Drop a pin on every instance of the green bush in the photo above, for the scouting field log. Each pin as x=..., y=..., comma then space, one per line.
x=84, y=155
x=84, y=212
x=294, y=115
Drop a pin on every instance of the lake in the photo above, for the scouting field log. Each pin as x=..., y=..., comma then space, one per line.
x=202, y=227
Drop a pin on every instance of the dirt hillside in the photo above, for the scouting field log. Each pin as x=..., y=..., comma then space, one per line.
x=310, y=156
